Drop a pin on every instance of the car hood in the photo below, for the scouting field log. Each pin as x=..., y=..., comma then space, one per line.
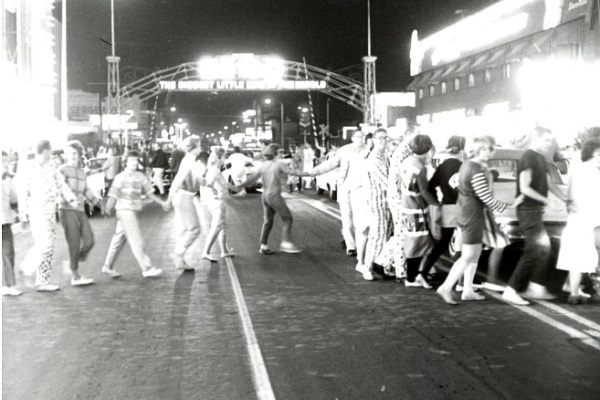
x=555, y=211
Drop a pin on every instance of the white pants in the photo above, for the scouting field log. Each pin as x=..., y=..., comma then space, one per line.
x=354, y=213
x=157, y=179
x=128, y=230
x=188, y=220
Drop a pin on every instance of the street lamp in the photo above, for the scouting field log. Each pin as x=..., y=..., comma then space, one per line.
x=173, y=109
x=268, y=101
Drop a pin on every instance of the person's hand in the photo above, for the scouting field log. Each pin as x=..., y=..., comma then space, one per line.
x=108, y=211
x=571, y=207
x=166, y=205
x=518, y=200
x=25, y=225
x=74, y=203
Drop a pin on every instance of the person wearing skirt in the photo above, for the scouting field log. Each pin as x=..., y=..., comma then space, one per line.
x=579, y=250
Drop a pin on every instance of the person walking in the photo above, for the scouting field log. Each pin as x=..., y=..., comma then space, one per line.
x=415, y=199
x=125, y=197
x=351, y=193
x=176, y=156
x=583, y=224
x=41, y=186
x=401, y=153
x=215, y=194
x=534, y=183
x=308, y=159
x=273, y=173
x=9, y=202
x=445, y=178
x=159, y=163
x=182, y=196
x=78, y=232
x=111, y=168
x=474, y=195
x=380, y=216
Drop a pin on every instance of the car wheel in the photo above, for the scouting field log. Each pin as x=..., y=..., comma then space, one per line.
x=453, y=247
x=320, y=191
x=332, y=193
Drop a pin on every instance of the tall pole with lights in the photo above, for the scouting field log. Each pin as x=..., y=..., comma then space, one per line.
x=369, y=75
x=114, y=97
x=64, y=116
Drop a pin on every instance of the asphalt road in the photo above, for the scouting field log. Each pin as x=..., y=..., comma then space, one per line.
x=302, y=326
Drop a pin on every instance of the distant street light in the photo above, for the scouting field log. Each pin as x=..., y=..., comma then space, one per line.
x=173, y=109
x=180, y=120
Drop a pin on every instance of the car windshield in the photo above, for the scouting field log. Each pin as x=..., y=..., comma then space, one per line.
x=506, y=170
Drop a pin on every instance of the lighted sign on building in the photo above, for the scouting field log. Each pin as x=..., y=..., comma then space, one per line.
x=211, y=85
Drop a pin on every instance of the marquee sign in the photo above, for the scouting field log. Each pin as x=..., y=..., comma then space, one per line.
x=232, y=85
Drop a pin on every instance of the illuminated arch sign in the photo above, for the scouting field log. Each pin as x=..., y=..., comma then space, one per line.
x=241, y=72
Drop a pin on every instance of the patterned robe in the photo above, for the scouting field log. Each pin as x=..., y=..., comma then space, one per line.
x=381, y=218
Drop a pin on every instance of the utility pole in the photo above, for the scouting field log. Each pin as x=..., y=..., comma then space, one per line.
x=64, y=115
x=369, y=76
x=113, y=98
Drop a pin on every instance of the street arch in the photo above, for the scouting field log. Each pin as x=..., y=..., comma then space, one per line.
x=339, y=87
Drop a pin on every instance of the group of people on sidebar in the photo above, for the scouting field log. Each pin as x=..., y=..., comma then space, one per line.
x=392, y=211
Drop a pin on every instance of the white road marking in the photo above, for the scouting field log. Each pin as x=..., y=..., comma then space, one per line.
x=262, y=383
x=322, y=207
x=585, y=336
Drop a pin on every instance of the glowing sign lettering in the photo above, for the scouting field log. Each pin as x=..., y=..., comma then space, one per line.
x=212, y=85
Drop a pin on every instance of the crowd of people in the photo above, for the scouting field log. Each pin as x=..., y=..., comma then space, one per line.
x=398, y=213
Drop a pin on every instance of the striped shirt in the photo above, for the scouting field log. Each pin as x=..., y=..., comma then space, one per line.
x=475, y=183
x=77, y=181
x=128, y=188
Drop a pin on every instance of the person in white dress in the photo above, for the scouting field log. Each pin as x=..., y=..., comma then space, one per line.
x=580, y=241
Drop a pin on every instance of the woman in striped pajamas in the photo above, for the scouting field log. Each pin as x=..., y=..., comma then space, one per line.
x=474, y=195
x=381, y=219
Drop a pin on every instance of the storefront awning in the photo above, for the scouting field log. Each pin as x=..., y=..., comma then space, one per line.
x=479, y=60
x=517, y=51
x=538, y=42
x=463, y=66
x=449, y=70
x=418, y=80
x=496, y=56
x=436, y=76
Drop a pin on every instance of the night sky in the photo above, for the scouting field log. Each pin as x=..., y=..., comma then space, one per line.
x=331, y=34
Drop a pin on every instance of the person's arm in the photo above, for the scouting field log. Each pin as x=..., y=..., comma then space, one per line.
x=185, y=168
x=107, y=164
x=253, y=177
x=482, y=190
x=526, y=189
x=555, y=190
x=327, y=166
x=65, y=189
x=424, y=188
x=434, y=182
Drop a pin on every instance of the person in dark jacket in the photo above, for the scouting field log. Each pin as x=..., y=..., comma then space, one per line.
x=159, y=163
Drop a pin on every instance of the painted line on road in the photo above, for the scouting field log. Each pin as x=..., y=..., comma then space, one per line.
x=262, y=383
x=321, y=207
x=584, y=336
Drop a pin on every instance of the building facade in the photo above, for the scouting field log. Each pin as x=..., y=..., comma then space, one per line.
x=511, y=66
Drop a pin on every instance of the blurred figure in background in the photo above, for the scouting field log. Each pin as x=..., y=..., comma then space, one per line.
x=111, y=168
x=238, y=163
x=159, y=163
x=9, y=202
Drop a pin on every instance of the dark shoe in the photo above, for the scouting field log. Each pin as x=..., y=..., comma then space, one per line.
x=351, y=253
x=574, y=300
x=266, y=251
x=378, y=269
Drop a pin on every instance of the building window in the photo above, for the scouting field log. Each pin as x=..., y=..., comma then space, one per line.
x=456, y=83
x=421, y=93
x=488, y=75
x=506, y=71
x=471, y=80
x=431, y=90
x=444, y=87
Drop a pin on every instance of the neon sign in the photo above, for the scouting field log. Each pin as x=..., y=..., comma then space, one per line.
x=232, y=85
x=241, y=67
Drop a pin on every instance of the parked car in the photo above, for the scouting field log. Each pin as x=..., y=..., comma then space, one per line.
x=327, y=182
x=249, y=167
x=95, y=181
x=503, y=167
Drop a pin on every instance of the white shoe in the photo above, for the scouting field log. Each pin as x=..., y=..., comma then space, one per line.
x=580, y=291
x=10, y=291
x=208, y=257
x=416, y=283
x=82, y=281
x=471, y=296
x=111, y=272
x=422, y=282
x=538, y=292
x=152, y=272
x=47, y=288
x=360, y=268
x=228, y=253
x=493, y=287
x=367, y=275
x=512, y=296
x=289, y=247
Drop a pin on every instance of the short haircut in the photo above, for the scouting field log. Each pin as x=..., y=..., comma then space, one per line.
x=589, y=148
x=379, y=130
x=190, y=143
x=421, y=144
x=43, y=145
x=479, y=143
x=271, y=151
x=133, y=153
x=540, y=131
x=203, y=157
x=236, y=149
x=76, y=144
